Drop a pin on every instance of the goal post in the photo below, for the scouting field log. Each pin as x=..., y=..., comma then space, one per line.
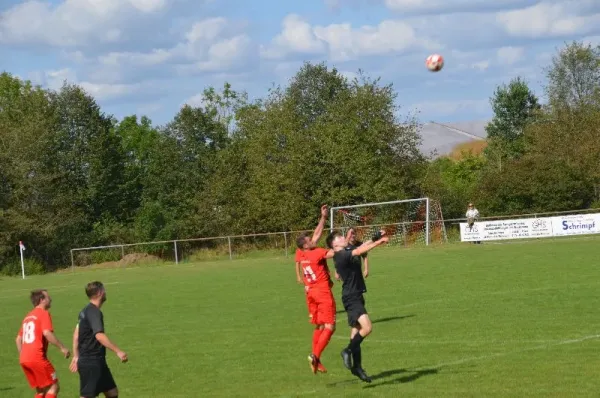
x=407, y=221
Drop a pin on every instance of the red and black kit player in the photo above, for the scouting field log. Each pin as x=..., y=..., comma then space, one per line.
x=317, y=285
x=32, y=343
x=347, y=259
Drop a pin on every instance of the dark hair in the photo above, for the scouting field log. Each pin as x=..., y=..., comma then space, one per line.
x=301, y=240
x=93, y=289
x=37, y=296
x=331, y=237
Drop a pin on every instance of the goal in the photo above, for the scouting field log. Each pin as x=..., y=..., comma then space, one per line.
x=407, y=222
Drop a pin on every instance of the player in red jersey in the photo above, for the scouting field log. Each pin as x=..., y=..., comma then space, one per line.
x=32, y=343
x=317, y=285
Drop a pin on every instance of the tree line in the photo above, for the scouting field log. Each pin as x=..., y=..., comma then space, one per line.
x=72, y=175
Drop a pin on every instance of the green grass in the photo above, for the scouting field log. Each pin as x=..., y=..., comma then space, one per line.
x=493, y=320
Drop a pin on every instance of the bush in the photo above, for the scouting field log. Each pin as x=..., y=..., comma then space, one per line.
x=105, y=256
x=32, y=267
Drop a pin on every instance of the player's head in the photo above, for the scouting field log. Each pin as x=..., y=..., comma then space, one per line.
x=470, y=206
x=304, y=242
x=351, y=236
x=336, y=241
x=95, y=291
x=41, y=298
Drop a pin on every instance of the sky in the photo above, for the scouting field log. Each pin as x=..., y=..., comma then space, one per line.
x=152, y=56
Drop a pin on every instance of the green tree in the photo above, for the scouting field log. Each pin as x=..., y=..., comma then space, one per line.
x=454, y=182
x=574, y=76
x=514, y=106
x=534, y=184
x=344, y=148
x=26, y=192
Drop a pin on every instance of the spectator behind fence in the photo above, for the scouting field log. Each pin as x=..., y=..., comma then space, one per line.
x=472, y=216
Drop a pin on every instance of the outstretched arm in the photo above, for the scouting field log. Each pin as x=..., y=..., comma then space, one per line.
x=365, y=247
x=319, y=230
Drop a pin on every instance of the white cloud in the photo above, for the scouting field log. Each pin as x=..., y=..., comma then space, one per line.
x=297, y=36
x=195, y=101
x=207, y=46
x=54, y=79
x=481, y=65
x=510, y=55
x=446, y=6
x=550, y=19
x=592, y=40
x=342, y=42
x=109, y=91
x=154, y=57
x=72, y=22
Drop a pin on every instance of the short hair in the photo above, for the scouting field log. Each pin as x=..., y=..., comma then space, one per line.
x=331, y=237
x=93, y=289
x=37, y=296
x=301, y=240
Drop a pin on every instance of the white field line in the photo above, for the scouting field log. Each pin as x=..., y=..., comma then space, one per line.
x=472, y=296
x=503, y=354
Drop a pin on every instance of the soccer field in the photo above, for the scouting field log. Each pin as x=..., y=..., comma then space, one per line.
x=493, y=320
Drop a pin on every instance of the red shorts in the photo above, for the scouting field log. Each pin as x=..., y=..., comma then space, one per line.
x=321, y=306
x=40, y=374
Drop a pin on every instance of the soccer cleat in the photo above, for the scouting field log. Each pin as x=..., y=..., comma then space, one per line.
x=361, y=374
x=321, y=368
x=314, y=363
x=347, y=358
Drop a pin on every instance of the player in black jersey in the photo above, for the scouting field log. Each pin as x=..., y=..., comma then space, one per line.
x=348, y=265
x=353, y=243
x=89, y=348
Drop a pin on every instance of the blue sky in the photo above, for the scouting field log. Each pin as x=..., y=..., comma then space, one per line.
x=151, y=56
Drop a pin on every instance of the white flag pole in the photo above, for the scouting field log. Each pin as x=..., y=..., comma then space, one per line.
x=22, y=249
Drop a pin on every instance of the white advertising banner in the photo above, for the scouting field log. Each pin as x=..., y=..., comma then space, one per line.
x=580, y=224
x=506, y=229
x=542, y=227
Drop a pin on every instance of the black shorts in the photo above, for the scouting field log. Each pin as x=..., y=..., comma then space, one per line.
x=355, y=308
x=94, y=377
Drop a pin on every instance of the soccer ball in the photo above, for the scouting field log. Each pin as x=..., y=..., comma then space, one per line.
x=434, y=62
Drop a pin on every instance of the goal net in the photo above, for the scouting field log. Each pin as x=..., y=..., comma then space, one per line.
x=407, y=222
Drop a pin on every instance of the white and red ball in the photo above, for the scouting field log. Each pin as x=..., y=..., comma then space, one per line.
x=435, y=62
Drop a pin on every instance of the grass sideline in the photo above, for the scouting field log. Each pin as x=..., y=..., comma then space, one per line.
x=490, y=320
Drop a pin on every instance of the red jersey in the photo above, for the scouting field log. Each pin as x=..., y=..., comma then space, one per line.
x=35, y=344
x=314, y=267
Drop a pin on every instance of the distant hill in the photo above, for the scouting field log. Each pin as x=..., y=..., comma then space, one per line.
x=448, y=139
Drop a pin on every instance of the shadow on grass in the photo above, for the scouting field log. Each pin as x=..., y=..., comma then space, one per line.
x=393, y=318
x=6, y=388
x=408, y=376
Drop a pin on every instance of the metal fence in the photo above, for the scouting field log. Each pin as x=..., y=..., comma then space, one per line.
x=264, y=245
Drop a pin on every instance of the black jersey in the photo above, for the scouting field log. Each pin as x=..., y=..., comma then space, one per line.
x=349, y=268
x=91, y=322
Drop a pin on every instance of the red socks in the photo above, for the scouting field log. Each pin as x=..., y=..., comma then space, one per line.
x=316, y=336
x=323, y=341
x=50, y=396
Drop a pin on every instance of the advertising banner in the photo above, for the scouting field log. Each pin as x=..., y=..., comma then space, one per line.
x=506, y=229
